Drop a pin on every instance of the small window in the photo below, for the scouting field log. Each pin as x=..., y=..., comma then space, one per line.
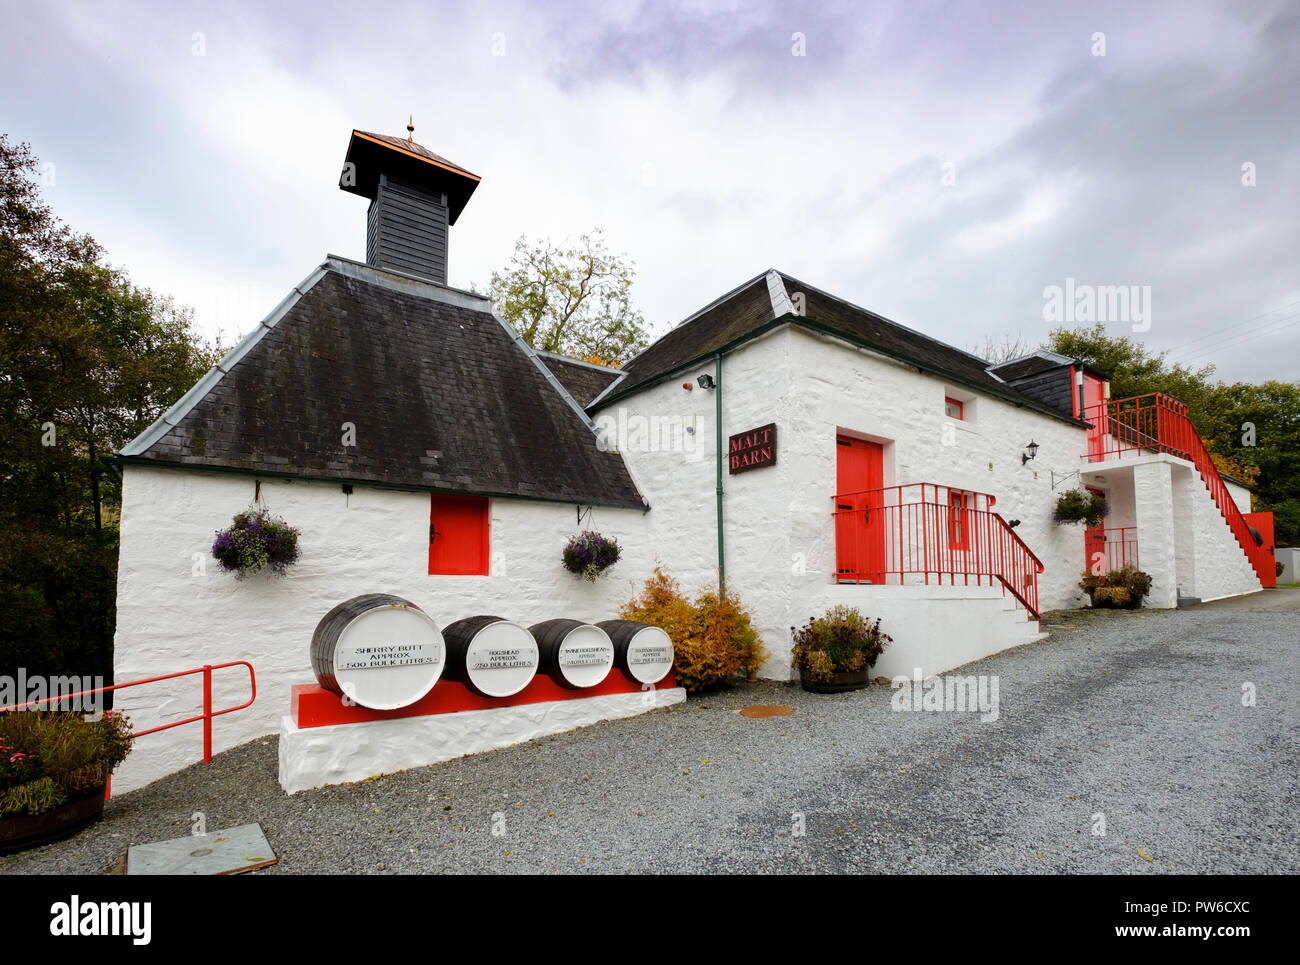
x=958, y=521
x=458, y=535
x=952, y=408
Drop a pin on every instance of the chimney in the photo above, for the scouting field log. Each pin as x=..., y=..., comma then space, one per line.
x=414, y=196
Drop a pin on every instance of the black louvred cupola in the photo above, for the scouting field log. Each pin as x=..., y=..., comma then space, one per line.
x=415, y=195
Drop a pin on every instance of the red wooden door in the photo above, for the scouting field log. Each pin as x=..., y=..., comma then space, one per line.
x=458, y=535
x=1094, y=546
x=1264, y=523
x=859, y=511
x=1094, y=410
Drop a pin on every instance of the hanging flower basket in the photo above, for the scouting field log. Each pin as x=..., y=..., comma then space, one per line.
x=589, y=555
x=1079, y=506
x=255, y=541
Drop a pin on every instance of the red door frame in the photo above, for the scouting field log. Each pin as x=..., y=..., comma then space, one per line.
x=1094, y=540
x=860, y=517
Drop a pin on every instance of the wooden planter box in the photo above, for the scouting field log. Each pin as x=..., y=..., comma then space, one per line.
x=29, y=831
x=839, y=682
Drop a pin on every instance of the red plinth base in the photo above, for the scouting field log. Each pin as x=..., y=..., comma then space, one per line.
x=313, y=706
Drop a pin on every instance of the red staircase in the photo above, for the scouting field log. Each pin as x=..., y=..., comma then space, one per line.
x=1158, y=423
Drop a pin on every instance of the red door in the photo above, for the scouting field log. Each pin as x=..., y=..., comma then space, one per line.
x=1263, y=522
x=859, y=511
x=458, y=535
x=1094, y=546
x=1094, y=411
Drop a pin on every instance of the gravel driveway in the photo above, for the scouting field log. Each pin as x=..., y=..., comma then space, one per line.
x=1131, y=723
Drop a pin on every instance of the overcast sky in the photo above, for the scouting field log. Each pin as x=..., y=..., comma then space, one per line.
x=940, y=163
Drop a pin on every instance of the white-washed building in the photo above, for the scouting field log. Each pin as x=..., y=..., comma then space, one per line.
x=805, y=450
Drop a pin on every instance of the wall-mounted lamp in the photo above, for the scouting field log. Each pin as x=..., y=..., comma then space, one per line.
x=706, y=382
x=1031, y=452
x=1013, y=523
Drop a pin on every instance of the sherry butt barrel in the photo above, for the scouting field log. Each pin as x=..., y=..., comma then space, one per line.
x=491, y=656
x=377, y=650
x=643, y=652
x=572, y=653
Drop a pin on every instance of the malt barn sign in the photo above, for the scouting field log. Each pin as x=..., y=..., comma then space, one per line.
x=752, y=449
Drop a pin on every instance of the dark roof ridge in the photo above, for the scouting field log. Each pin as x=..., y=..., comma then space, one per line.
x=887, y=321
x=573, y=361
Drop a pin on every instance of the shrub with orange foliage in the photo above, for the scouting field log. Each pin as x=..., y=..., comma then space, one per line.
x=712, y=637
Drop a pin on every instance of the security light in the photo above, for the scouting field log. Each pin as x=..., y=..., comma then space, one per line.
x=706, y=382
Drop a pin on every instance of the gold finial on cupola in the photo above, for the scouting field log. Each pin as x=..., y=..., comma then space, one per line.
x=410, y=127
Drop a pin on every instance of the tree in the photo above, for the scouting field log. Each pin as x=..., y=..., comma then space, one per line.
x=995, y=353
x=87, y=361
x=574, y=301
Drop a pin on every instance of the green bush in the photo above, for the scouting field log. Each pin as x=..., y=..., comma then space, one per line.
x=54, y=756
x=1080, y=506
x=840, y=641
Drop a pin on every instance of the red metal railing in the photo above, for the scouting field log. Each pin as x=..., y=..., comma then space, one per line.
x=1157, y=423
x=1118, y=546
x=925, y=532
x=206, y=716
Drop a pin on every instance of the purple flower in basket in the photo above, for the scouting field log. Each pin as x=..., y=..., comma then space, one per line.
x=590, y=554
x=256, y=540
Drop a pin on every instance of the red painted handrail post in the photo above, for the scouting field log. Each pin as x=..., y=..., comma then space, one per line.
x=207, y=713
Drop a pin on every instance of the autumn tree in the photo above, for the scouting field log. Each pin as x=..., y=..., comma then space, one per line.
x=573, y=300
x=87, y=361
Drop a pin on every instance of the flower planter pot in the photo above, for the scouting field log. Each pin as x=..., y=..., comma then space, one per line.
x=839, y=683
x=25, y=831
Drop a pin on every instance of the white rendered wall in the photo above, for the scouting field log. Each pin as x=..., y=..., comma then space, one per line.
x=780, y=538
x=1153, y=494
x=1222, y=567
x=1240, y=496
x=842, y=388
x=338, y=753
x=177, y=610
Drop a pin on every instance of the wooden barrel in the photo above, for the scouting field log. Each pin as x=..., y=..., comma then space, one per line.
x=644, y=653
x=572, y=653
x=378, y=651
x=491, y=656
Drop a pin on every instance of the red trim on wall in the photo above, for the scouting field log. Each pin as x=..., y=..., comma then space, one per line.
x=313, y=706
x=961, y=408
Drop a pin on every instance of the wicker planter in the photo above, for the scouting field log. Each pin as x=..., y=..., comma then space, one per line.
x=839, y=683
x=29, y=831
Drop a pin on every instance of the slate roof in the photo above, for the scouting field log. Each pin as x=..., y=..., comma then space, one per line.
x=442, y=394
x=583, y=380
x=766, y=301
x=1028, y=365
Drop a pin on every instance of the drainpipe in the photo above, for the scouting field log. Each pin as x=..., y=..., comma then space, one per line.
x=717, y=397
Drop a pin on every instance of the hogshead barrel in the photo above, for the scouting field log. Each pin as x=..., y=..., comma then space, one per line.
x=491, y=656
x=572, y=653
x=644, y=653
x=377, y=650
